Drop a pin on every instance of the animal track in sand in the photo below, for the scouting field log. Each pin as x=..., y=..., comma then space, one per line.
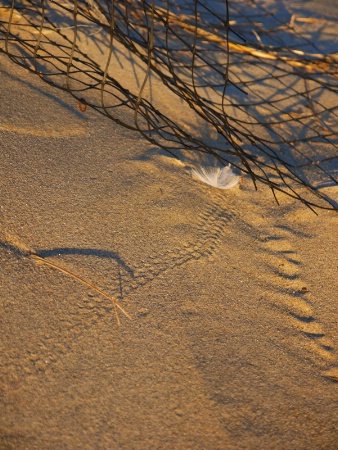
x=209, y=227
x=279, y=275
x=289, y=293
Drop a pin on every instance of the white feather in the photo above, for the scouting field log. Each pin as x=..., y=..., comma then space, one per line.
x=215, y=176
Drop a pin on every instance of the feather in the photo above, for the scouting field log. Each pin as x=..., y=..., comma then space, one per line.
x=216, y=177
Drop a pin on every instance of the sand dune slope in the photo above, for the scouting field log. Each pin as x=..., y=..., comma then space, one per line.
x=233, y=338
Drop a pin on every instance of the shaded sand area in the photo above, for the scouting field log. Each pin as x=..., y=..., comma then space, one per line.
x=233, y=339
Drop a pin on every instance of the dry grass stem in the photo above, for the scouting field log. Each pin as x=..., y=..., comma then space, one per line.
x=22, y=250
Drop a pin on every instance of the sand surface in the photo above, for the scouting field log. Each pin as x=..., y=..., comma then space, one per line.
x=233, y=339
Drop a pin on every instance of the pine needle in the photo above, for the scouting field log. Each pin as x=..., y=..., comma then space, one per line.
x=85, y=282
x=21, y=249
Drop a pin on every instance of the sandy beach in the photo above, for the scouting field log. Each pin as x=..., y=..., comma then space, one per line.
x=233, y=336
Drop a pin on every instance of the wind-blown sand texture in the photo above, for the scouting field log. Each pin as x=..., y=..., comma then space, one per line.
x=233, y=338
